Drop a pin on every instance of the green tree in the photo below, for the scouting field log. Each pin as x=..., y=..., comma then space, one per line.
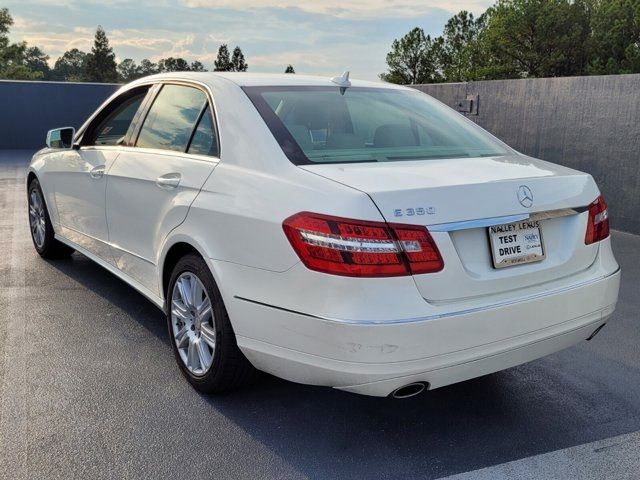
x=70, y=66
x=223, y=61
x=5, y=25
x=101, y=62
x=147, y=67
x=197, y=67
x=462, y=55
x=128, y=70
x=289, y=69
x=238, y=63
x=172, y=64
x=414, y=59
x=37, y=61
x=13, y=63
x=537, y=38
x=616, y=37
x=13, y=56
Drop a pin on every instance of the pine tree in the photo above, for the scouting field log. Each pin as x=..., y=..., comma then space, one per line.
x=289, y=69
x=222, y=63
x=237, y=61
x=101, y=62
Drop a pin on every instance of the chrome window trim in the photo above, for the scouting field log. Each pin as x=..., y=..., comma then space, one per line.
x=154, y=151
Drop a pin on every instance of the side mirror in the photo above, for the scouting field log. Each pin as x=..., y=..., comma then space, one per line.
x=61, y=137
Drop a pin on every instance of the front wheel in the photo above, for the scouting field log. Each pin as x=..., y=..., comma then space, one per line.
x=41, y=228
x=201, y=335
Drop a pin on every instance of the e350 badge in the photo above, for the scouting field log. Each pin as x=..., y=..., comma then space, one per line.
x=411, y=212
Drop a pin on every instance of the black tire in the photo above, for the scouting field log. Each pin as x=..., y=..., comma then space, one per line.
x=229, y=368
x=49, y=248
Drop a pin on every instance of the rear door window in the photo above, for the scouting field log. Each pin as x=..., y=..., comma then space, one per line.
x=172, y=118
x=204, y=140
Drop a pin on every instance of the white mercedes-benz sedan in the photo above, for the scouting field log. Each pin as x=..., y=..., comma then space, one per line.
x=352, y=234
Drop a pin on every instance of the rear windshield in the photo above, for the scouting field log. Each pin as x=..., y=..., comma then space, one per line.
x=349, y=125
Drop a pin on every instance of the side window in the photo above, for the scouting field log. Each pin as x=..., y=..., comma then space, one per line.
x=116, y=119
x=171, y=118
x=204, y=141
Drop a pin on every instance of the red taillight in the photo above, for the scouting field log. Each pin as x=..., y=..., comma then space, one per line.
x=598, y=223
x=358, y=248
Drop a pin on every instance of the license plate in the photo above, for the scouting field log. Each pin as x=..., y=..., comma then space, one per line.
x=516, y=243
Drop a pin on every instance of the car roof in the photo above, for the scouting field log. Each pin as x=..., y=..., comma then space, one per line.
x=245, y=79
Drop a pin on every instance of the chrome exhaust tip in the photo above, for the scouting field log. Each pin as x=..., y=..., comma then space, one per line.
x=410, y=390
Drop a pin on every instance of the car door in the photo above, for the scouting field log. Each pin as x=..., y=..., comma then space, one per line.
x=79, y=177
x=152, y=184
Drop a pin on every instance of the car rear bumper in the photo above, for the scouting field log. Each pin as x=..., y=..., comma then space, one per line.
x=376, y=358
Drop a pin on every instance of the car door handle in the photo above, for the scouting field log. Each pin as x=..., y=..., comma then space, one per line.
x=97, y=172
x=169, y=181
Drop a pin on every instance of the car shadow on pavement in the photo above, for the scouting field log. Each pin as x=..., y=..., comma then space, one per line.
x=566, y=399
x=524, y=411
x=93, y=277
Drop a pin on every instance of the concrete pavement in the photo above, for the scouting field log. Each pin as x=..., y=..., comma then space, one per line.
x=89, y=389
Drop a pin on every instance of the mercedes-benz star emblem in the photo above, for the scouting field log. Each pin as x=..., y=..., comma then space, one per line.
x=525, y=197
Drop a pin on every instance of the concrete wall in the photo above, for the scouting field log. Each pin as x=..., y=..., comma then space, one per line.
x=29, y=109
x=587, y=123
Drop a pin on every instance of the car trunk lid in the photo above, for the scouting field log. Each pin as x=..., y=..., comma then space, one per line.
x=458, y=199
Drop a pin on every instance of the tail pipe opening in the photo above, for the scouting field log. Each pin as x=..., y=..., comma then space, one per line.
x=409, y=390
x=596, y=331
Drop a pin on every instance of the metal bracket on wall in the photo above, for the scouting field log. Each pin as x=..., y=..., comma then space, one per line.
x=468, y=105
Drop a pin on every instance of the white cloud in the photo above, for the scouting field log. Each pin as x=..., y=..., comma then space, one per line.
x=317, y=37
x=22, y=23
x=353, y=9
x=309, y=61
x=56, y=43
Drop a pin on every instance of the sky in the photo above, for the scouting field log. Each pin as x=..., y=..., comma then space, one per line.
x=323, y=37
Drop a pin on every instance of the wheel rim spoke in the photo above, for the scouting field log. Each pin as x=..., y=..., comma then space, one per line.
x=204, y=355
x=193, y=360
x=208, y=334
x=184, y=291
x=195, y=288
x=204, y=309
x=179, y=311
x=182, y=338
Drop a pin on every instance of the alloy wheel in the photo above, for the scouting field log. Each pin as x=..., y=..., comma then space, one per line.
x=37, y=218
x=192, y=323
